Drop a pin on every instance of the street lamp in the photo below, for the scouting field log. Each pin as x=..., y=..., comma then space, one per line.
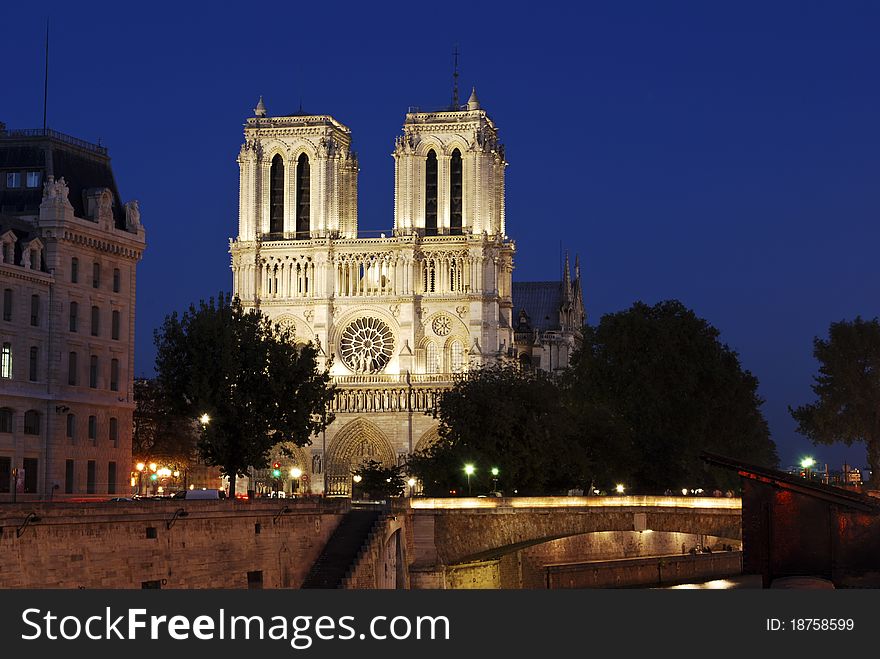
x=806, y=463
x=412, y=483
x=295, y=474
x=495, y=472
x=619, y=488
x=469, y=470
x=205, y=419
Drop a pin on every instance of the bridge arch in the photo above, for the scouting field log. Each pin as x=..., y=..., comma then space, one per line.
x=357, y=441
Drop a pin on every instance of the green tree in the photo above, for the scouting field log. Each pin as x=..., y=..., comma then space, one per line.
x=660, y=386
x=158, y=432
x=375, y=481
x=509, y=418
x=847, y=388
x=256, y=386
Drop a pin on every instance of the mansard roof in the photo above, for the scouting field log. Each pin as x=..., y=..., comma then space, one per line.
x=82, y=164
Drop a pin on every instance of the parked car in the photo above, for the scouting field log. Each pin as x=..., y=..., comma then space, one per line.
x=205, y=494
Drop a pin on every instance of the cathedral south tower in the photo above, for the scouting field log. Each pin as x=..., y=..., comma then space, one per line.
x=397, y=318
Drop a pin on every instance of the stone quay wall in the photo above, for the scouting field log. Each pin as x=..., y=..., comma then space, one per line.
x=173, y=544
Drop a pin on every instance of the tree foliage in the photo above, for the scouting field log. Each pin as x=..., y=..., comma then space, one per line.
x=379, y=482
x=847, y=388
x=255, y=384
x=507, y=418
x=661, y=388
x=159, y=432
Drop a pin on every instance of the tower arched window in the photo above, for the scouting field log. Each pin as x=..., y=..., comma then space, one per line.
x=276, y=195
x=303, y=208
x=432, y=358
x=431, y=194
x=456, y=357
x=455, y=193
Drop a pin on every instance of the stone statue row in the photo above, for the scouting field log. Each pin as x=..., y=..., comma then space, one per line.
x=384, y=400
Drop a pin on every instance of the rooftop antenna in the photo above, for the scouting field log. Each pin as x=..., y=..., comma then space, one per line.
x=46, y=80
x=455, y=101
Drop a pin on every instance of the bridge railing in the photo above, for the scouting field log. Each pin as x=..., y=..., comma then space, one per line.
x=476, y=503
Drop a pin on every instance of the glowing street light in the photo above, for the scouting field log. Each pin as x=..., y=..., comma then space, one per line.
x=153, y=466
x=469, y=470
x=619, y=488
x=495, y=471
x=806, y=463
x=140, y=466
x=205, y=419
x=357, y=478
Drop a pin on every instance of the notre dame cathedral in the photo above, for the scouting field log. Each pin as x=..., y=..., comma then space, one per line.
x=396, y=317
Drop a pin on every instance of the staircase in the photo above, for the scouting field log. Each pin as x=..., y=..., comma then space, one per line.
x=342, y=548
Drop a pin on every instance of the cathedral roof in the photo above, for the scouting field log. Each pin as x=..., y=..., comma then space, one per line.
x=541, y=300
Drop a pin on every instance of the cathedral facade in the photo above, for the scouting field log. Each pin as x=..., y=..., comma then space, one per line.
x=395, y=317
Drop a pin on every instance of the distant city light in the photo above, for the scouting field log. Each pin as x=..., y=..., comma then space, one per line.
x=807, y=462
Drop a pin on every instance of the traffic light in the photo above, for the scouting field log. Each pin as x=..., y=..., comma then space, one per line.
x=276, y=470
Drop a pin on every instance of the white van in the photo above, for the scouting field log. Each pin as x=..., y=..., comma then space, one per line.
x=205, y=494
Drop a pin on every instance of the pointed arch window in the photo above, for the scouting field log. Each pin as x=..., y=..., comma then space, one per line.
x=455, y=193
x=432, y=359
x=276, y=195
x=431, y=194
x=303, y=207
x=456, y=357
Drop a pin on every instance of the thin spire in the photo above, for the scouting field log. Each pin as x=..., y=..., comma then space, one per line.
x=455, y=101
x=473, y=102
x=46, y=80
x=566, y=280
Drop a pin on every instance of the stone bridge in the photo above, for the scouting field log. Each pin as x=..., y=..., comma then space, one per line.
x=444, y=533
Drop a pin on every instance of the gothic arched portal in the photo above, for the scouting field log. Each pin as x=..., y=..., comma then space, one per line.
x=430, y=437
x=358, y=441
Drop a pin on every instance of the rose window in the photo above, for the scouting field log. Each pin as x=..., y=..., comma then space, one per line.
x=366, y=345
x=442, y=325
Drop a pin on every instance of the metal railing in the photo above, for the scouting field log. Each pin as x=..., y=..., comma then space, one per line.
x=54, y=134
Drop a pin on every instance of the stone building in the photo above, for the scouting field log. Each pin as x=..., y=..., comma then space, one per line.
x=67, y=274
x=396, y=317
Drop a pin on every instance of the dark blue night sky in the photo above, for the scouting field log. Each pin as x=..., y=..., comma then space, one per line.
x=727, y=155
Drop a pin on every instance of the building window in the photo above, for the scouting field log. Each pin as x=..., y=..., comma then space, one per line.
x=276, y=195
x=90, y=477
x=6, y=361
x=31, y=472
x=32, y=364
x=114, y=325
x=93, y=372
x=117, y=277
x=456, y=357
x=33, y=179
x=5, y=419
x=455, y=193
x=68, y=477
x=96, y=321
x=5, y=475
x=35, y=310
x=71, y=427
x=96, y=275
x=303, y=188
x=432, y=359
x=31, y=422
x=7, y=304
x=13, y=179
x=93, y=428
x=114, y=375
x=111, y=478
x=74, y=270
x=431, y=194
x=71, y=369
x=74, y=312
x=114, y=431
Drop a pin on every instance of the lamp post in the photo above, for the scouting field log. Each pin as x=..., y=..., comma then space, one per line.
x=412, y=484
x=295, y=474
x=495, y=473
x=469, y=470
x=806, y=463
